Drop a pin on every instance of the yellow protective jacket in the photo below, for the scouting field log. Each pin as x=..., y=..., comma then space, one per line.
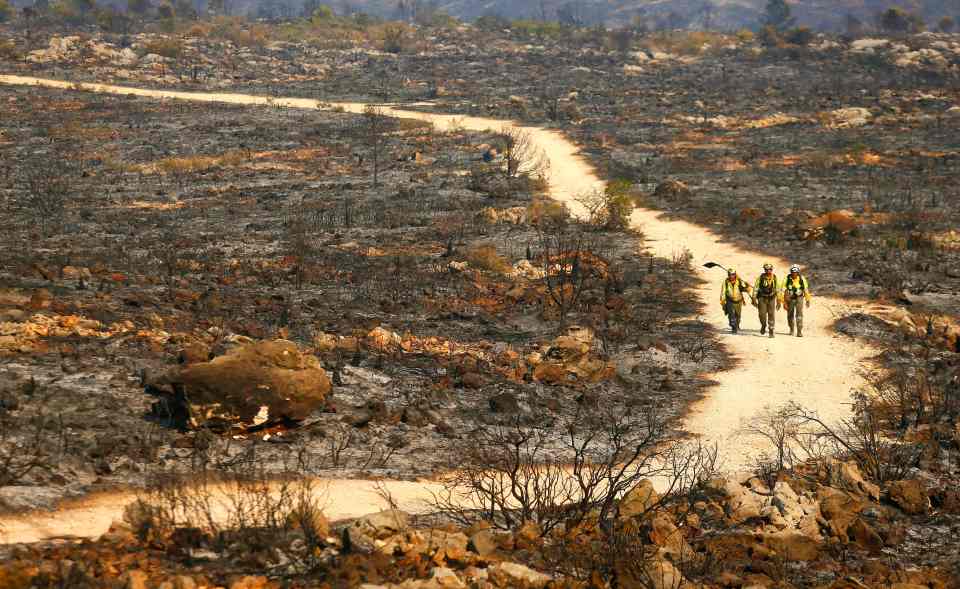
x=733, y=290
x=795, y=286
x=762, y=286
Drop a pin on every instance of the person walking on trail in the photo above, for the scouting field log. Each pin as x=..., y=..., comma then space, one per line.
x=767, y=298
x=732, y=292
x=796, y=296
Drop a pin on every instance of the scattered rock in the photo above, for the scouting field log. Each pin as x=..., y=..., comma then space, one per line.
x=847, y=117
x=741, y=504
x=639, y=499
x=909, y=495
x=505, y=403
x=839, y=509
x=445, y=577
x=484, y=543
x=251, y=582
x=136, y=579
x=194, y=353
x=793, y=546
x=514, y=574
x=567, y=360
x=863, y=534
x=672, y=190
x=847, y=475
x=381, y=524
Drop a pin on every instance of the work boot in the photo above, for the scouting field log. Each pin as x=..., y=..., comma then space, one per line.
x=791, y=330
x=763, y=329
x=799, y=332
x=771, y=333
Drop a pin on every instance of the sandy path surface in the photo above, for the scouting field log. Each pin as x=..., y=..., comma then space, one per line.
x=91, y=516
x=819, y=370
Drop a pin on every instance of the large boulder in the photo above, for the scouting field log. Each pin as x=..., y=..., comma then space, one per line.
x=484, y=543
x=909, y=495
x=383, y=523
x=847, y=476
x=736, y=545
x=741, y=503
x=789, y=511
x=639, y=499
x=253, y=384
x=567, y=360
x=793, y=546
x=658, y=574
x=841, y=118
x=665, y=534
x=864, y=535
x=672, y=190
x=512, y=574
x=839, y=510
x=840, y=220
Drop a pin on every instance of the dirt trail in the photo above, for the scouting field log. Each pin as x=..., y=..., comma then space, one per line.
x=91, y=516
x=818, y=370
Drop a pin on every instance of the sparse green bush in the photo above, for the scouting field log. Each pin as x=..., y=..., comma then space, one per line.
x=491, y=22
x=323, y=13
x=898, y=20
x=777, y=15
x=166, y=47
x=394, y=39
x=619, y=204
x=534, y=28
x=239, y=32
x=770, y=37
x=111, y=21
x=801, y=36
x=611, y=207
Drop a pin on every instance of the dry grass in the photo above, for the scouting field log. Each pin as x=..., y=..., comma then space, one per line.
x=9, y=51
x=195, y=164
x=486, y=257
x=685, y=43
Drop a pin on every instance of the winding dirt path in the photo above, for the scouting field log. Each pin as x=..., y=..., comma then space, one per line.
x=819, y=370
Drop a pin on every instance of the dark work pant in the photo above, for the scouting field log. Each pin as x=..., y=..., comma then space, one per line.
x=795, y=312
x=767, y=306
x=733, y=309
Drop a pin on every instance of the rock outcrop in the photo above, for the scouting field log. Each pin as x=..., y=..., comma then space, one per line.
x=251, y=385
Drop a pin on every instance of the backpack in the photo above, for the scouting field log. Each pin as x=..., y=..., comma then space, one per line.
x=795, y=289
x=768, y=290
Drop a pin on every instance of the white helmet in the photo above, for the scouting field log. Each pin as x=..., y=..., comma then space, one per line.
x=768, y=266
x=795, y=268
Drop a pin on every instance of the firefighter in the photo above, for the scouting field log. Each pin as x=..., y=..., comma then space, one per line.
x=795, y=293
x=766, y=298
x=732, y=292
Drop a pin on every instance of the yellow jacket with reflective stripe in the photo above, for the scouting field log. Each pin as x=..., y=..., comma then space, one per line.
x=797, y=282
x=733, y=290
